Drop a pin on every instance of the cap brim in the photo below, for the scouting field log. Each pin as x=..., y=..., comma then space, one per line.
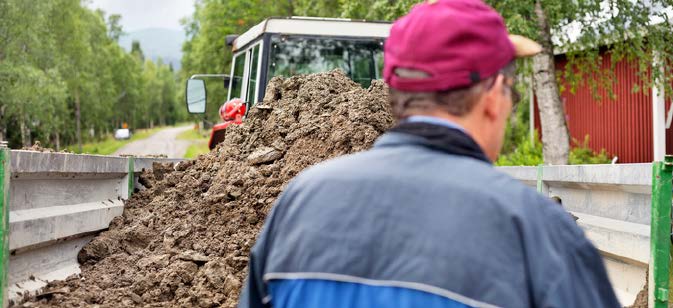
x=524, y=47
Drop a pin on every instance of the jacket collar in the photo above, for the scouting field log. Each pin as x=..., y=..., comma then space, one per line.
x=437, y=137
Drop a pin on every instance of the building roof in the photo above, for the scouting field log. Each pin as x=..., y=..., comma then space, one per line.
x=337, y=27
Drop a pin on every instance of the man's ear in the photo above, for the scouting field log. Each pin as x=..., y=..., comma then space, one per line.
x=493, y=98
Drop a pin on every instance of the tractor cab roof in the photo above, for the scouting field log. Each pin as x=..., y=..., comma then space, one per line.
x=334, y=27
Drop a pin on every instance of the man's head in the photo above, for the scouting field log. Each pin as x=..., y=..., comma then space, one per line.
x=454, y=59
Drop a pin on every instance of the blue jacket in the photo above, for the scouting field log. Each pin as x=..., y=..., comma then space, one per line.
x=410, y=224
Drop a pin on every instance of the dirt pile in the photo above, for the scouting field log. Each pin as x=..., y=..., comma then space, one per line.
x=185, y=240
x=37, y=147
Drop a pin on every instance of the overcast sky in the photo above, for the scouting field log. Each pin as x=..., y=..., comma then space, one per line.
x=141, y=14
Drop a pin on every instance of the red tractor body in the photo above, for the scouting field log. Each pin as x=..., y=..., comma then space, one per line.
x=232, y=112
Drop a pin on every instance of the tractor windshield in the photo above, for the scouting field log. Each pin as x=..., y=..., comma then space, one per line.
x=361, y=59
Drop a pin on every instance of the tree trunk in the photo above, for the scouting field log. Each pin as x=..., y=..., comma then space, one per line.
x=2, y=126
x=25, y=135
x=513, y=117
x=57, y=141
x=78, y=121
x=555, y=139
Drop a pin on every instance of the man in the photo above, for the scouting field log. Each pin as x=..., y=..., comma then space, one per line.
x=423, y=219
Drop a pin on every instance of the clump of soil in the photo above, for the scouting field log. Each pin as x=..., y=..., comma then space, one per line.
x=158, y=173
x=185, y=240
x=37, y=147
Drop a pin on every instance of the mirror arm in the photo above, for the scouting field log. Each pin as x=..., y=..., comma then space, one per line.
x=221, y=76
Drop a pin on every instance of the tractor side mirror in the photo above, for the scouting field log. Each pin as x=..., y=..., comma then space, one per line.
x=195, y=95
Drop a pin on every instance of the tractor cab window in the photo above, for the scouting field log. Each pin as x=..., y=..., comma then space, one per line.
x=293, y=55
x=251, y=96
x=238, y=69
x=245, y=72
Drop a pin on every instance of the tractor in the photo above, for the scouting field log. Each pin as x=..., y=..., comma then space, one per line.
x=287, y=47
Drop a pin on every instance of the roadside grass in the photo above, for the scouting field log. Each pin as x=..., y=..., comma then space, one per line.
x=199, y=143
x=110, y=145
x=192, y=134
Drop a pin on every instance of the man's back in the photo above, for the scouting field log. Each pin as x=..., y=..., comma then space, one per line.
x=407, y=225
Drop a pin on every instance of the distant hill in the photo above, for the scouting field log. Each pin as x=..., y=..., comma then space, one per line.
x=157, y=43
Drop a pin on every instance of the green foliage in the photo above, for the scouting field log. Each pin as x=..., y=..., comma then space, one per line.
x=196, y=149
x=583, y=29
x=375, y=9
x=527, y=153
x=582, y=154
x=518, y=125
x=199, y=142
x=192, y=134
x=136, y=51
x=62, y=75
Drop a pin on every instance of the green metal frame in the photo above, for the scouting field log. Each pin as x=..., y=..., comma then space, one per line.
x=131, y=175
x=4, y=228
x=660, y=233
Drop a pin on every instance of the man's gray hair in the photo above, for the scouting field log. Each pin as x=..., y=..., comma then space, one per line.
x=458, y=102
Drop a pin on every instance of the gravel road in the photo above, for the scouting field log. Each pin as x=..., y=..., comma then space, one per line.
x=163, y=142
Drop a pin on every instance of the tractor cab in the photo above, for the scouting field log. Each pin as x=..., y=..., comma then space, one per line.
x=288, y=47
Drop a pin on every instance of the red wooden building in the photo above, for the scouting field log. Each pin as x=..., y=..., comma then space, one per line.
x=623, y=126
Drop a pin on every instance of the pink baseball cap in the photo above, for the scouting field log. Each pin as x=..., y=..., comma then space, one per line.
x=449, y=44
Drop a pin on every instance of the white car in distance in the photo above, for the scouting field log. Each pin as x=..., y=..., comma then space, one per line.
x=122, y=133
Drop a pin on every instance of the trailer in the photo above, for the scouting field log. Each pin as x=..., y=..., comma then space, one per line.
x=55, y=203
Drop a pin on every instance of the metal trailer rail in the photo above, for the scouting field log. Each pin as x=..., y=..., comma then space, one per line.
x=53, y=204
x=616, y=205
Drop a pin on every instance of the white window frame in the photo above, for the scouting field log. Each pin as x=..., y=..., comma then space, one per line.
x=231, y=80
x=259, y=69
x=246, y=72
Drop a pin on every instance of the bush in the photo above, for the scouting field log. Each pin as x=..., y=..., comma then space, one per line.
x=582, y=154
x=530, y=154
x=526, y=153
